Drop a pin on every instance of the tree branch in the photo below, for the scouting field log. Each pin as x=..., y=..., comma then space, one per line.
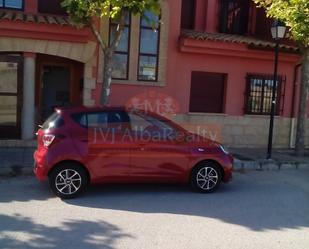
x=119, y=31
x=98, y=36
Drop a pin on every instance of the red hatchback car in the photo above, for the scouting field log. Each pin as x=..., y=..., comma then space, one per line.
x=79, y=146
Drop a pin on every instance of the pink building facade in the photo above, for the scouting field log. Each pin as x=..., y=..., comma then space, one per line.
x=208, y=74
x=209, y=64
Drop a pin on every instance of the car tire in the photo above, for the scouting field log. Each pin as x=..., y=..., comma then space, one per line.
x=68, y=180
x=206, y=177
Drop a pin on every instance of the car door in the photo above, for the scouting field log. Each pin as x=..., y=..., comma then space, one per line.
x=106, y=149
x=156, y=155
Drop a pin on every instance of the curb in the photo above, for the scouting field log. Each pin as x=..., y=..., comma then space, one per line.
x=240, y=165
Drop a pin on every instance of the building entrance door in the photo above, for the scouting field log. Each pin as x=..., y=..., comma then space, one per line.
x=55, y=89
x=59, y=83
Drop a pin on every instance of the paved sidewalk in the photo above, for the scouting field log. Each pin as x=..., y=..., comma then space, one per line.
x=255, y=159
x=16, y=161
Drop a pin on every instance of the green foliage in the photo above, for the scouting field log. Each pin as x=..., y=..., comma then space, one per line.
x=294, y=13
x=82, y=12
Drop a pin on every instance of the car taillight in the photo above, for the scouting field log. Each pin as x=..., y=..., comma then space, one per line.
x=48, y=139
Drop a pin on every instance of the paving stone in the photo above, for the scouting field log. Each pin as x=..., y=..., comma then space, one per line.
x=290, y=165
x=251, y=165
x=302, y=165
x=5, y=171
x=237, y=165
x=271, y=166
x=27, y=170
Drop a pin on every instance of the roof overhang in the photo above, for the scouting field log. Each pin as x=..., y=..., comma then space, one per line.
x=233, y=45
x=56, y=28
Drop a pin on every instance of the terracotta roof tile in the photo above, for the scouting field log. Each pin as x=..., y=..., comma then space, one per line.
x=39, y=18
x=62, y=21
x=51, y=20
x=7, y=16
x=250, y=41
x=19, y=16
x=29, y=18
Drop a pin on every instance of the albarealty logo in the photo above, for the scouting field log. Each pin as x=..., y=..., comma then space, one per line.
x=112, y=136
x=154, y=101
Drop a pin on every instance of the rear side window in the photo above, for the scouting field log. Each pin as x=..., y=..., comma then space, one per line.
x=98, y=120
x=103, y=120
x=54, y=121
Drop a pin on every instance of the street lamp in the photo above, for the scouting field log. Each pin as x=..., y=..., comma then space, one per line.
x=278, y=32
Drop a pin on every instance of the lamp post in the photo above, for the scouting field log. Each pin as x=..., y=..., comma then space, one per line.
x=278, y=32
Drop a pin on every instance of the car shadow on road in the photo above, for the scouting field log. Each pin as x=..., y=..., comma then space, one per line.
x=257, y=204
x=70, y=234
x=259, y=201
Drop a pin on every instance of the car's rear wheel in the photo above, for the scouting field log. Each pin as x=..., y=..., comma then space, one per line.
x=206, y=177
x=68, y=180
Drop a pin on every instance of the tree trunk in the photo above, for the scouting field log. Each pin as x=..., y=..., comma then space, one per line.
x=108, y=60
x=107, y=76
x=302, y=112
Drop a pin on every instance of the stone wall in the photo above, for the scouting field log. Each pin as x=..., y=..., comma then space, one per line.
x=240, y=131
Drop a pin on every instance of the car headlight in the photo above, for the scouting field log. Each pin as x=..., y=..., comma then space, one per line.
x=223, y=149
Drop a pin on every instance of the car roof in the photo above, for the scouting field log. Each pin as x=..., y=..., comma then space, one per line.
x=75, y=109
x=81, y=109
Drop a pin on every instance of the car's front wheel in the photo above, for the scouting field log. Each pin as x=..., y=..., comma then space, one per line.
x=68, y=180
x=206, y=177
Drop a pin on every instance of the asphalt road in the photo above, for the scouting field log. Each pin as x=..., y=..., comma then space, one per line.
x=257, y=210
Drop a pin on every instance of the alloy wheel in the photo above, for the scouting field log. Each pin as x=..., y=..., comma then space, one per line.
x=68, y=181
x=207, y=178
